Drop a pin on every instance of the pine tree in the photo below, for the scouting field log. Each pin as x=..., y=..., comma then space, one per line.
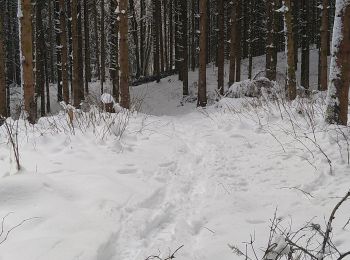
x=63, y=53
x=324, y=45
x=221, y=47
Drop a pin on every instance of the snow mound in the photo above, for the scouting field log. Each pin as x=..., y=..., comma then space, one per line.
x=253, y=88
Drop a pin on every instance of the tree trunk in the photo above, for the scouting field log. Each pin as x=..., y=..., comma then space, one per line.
x=97, y=42
x=291, y=78
x=305, y=45
x=271, y=50
x=114, y=46
x=58, y=50
x=238, y=40
x=202, y=82
x=103, y=50
x=221, y=47
x=324, y=46
x=184, y=46
x=124, y=55
x=87, y=61
x=64, y=54
x=3, y=98
x=135, y=37
x=75, y=44
x=339, y=77
x=27, y=62
x=233, y=40
x=40, y=49
x=142, y=36
x=155, y=31
x=80, y=53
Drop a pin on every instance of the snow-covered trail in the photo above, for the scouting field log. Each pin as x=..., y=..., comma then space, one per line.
x=197, y=180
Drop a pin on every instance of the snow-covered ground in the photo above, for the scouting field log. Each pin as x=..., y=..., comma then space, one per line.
x=177, y=175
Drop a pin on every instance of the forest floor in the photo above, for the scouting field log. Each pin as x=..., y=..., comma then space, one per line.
x=175, y=175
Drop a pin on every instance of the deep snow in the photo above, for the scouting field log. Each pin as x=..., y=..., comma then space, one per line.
x=177, y=176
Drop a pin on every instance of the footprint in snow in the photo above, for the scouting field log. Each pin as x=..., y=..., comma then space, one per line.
x=127, y=171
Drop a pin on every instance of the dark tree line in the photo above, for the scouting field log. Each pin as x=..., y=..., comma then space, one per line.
x=70, y=43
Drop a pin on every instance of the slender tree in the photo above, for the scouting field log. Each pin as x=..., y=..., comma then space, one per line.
x=114, y=46
x=184, y=47
x=3, y=98
x=324, y=46
x=291, y=78
x=155, y=31
x=103, y=50
x=87, y=60
x=271, y=50
x=233, y=36
x=64, y=54
x=202, y=81
x=124, y=56
x=221, y=46
x=75, y=44
x=27, y=61
x=305, y=44
x=339, y=78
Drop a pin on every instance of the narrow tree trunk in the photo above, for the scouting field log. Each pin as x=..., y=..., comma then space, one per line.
x=64, y=54
x=323, y=74
x=250, y=40
x=103, y=51
x=291, y=78
x=193, y=35
x=166, y=52
x=87, y=61
x=51, y=41
x=27, y=62
x=339, y=78
x=75, y=44
x=184, y=46
x=161, y=39
x=3, y=98
x=97, y=42
x=40, y=49
x=80, y=53
x=221, y=47
x=58, y=51
x=135, y=38
x=271, y=50
x=114, y=46
x=238, y=40
x=202, y=81
x=233, y=40
x=155, y=31
x=171, y=32
x=142, y=36
x=124, y=55
x=305, y=48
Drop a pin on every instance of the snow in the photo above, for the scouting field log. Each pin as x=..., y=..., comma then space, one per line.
x=128, y=185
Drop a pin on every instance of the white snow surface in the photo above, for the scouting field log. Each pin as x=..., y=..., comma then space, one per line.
x=202, y=178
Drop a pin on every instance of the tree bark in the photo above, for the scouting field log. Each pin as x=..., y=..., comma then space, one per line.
x=3, y=97
x=184, y=47
x=87, y=60
x=75, y=46
x=291, y=78
x=64, y=54
x=233, y=39
x=124, y=55
x=271, y=50
x=221, y=47
x=27, y=62
x=202, y=81
x=324, y=50
x=339, y=78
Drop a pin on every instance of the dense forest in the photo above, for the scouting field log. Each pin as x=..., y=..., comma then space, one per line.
x=68, y=44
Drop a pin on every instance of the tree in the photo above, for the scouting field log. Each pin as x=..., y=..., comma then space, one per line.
x=271, y=49
x=75, y=42
x=339, y=77
x=58, y=50
x=114, y=46
x=27, y=60
x=124, y=55
x=291, y=78
x=3, y=98
x=324, y=46
x=233, y=42
x=64, y=54
x=155, y=31
x=103, y=50
x=202, y=81
x=87, y=60
x=305, y=44
x=184, y=47
x=221, y=47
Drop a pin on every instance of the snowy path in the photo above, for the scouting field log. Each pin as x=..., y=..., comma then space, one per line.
x=195, y=180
